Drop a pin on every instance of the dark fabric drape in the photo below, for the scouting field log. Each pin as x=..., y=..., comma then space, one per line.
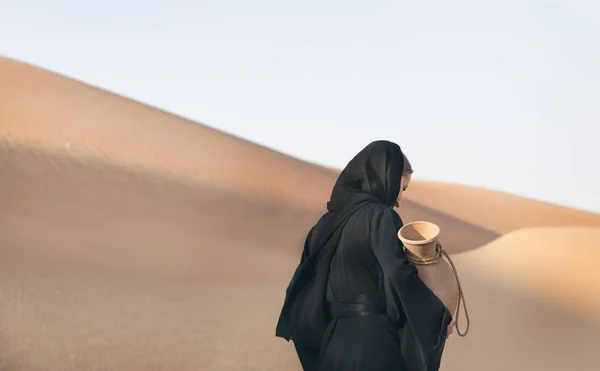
x=352, y=258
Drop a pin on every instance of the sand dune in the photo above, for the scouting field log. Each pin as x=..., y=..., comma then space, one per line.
x=131, y=239
x=45, y=111
x=557, y=264
x=497, y=211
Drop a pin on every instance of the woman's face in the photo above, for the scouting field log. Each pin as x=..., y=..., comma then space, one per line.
x=403, y=187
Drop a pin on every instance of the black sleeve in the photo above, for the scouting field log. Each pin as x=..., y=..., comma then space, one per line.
x=424, y=332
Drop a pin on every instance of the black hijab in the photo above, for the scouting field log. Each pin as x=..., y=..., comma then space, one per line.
x=373, y=175
x=375, y=171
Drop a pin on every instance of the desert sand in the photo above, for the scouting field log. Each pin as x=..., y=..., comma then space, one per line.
x=133, y=239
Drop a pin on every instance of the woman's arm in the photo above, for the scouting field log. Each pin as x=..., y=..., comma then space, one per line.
x=425, y=330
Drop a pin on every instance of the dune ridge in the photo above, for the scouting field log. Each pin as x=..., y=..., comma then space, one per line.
x=99, y=125
x=498, y=211
x=81, y=122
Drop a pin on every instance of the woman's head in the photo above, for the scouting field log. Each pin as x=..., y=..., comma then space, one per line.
x=376, y=171
x=405, y=180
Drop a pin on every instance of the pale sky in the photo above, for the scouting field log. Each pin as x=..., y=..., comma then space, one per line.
x=498, y=94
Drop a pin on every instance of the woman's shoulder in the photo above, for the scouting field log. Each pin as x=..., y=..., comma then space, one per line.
x=379, y=213
x=379, y=209
x=375, y=211
x=376, y=207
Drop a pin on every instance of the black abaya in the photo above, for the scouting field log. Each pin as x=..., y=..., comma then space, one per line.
x=380, y=315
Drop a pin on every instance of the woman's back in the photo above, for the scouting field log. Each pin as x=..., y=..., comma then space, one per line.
x=355, y=272
x=361, y=336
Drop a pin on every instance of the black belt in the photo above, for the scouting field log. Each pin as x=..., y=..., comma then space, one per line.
x=343, y=310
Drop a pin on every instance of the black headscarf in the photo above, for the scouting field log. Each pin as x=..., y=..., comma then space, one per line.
x=375, y=171
x=373, y=175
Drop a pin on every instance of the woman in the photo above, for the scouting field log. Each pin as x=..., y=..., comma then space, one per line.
x=355, y=302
